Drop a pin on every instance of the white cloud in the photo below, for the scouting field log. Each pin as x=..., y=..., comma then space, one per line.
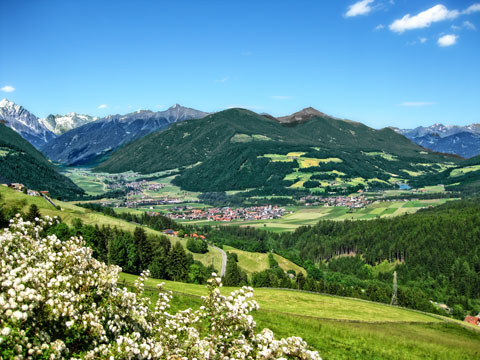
x=423, y=19
x=447, y=40
x=434, y=14
x=224, y=79
x=280, y=97
x=472, y=9
x=468, y=25
x=379, y=27
x=416, y=103
x=8, y=89
x=359, y=8
x=423, y=40
x=159, y=106
x=103, y=106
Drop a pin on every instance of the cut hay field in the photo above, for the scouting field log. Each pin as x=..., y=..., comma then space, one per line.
x=344, y=328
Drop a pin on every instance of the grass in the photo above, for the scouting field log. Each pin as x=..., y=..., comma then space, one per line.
x=343, y=328
x=244, y=138
x=464, y=170
x=252, y=262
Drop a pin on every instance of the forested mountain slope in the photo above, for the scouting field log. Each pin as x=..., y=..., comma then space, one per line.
x=239, y=149
x=21, y=162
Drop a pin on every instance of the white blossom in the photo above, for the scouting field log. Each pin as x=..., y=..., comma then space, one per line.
x=57, y=301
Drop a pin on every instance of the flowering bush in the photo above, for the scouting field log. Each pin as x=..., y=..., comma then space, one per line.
x=57, y=301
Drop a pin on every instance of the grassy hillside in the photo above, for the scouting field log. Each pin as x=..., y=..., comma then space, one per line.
x=21, y=162
x=343, y=328
x=464, y=177
x=237, y=149
x=251, y=262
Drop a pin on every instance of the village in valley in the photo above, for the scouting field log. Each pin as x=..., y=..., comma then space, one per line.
x=226, y=213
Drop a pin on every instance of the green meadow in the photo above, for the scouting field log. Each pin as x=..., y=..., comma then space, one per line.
x=343, y=328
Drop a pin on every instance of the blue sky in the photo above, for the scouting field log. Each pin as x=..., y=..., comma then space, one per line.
x=401, y=63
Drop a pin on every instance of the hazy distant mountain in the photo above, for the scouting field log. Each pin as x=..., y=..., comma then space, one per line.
x=450, y=139
x=59, y=124
x=94, y=140
x=25, y=123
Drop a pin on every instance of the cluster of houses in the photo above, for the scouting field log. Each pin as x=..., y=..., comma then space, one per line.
x=144, y=185
x=171, y=232
x=148, y=202
x=353, y=202
x=22, y=188
x=229, y=214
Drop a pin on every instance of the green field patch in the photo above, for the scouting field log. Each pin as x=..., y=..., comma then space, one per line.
x=252, y=262
x=295, y=154
x=278, y=157
x=298, y=184
x=413, y=173
x=244, y=138
x=313, y=162
x=383, y=155
x=4, y=151
x=464, y=170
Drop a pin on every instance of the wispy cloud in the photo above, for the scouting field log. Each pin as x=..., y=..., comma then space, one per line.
x=280, y=97
x=103, y=106
x=472, y=9
x=362, y=7
x=379, y=27
x=159, y=106
x=246, y=53
x=468, y=25
x=8, y=89
x=416, y=103
x=222, y=80
x=447, y=40
x=426, y=18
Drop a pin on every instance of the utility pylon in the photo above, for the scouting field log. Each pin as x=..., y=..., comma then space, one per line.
x=394, y=292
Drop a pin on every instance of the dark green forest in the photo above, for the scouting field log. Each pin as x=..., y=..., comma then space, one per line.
x=436, y=251
x=21, y=162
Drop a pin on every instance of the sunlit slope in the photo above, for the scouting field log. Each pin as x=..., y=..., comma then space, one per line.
x=344, y=328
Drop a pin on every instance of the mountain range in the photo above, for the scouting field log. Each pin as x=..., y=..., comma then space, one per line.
x=238, y=149
x=450, y=139
x=95, y=140
x=76, y=139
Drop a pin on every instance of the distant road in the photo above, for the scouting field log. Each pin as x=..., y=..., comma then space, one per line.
x=223, y=270
x=48, y=199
